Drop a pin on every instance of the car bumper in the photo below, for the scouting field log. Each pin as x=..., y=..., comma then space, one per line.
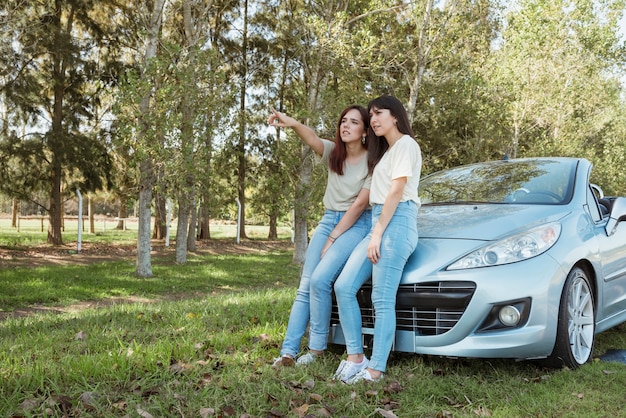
x=450, y=313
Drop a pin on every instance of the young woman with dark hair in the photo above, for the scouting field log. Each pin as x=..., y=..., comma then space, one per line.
x=346, y=221
x=397, y=162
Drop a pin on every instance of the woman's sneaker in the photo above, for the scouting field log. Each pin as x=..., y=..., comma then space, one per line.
x=348, y=369
x=363, y=376
x=306, y=359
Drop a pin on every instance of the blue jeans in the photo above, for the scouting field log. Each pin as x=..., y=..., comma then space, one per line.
x=314, y=298
x=398, y=243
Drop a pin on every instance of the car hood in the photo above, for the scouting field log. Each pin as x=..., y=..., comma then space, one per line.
x=484, y=222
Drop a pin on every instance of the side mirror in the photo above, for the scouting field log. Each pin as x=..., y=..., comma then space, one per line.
x=617, y=215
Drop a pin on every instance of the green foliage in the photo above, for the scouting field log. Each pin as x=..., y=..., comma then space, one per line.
x=488, y=78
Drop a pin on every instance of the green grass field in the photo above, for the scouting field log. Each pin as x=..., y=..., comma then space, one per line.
x=197, y=340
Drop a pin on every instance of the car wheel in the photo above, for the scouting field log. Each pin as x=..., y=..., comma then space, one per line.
x=576, y=327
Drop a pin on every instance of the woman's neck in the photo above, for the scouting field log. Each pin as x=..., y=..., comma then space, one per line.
x=394, y=137
x=355, y=149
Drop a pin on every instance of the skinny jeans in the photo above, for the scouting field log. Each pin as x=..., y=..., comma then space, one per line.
x=313, y=302
x=398, y=243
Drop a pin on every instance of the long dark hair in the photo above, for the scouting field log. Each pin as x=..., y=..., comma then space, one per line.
x=379, y=145
x=339, y=154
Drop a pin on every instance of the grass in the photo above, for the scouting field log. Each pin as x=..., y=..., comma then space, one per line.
x=200, y=338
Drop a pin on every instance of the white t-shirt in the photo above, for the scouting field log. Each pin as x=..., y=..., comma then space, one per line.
x=341, y=191
x=403, y=159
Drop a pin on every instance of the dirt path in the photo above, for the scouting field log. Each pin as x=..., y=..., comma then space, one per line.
x=47, y=255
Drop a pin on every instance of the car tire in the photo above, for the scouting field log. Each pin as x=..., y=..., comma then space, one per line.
x=576, y=327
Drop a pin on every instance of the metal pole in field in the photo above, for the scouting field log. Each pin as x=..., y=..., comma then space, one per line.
x=80, y=220
x=238, y=219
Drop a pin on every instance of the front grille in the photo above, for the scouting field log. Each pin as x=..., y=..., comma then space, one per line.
x=431, y=308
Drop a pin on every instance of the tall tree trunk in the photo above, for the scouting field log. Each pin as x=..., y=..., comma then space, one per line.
x=301, y=208
x=241, y=146
x=56, y=135
x=14, y=212
x=181, y=230
x=193, y=221
x=160, y=216
x=205, y=230
x=92, y=221
x=273, y=230
x=146, y=167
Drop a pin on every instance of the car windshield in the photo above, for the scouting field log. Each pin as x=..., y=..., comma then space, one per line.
x=523, y=181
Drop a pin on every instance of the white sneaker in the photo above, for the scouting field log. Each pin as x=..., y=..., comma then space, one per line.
x=348, y=369
x=306, y=359
x=362, y=376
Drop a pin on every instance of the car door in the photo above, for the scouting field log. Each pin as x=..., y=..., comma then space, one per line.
x=613, y=260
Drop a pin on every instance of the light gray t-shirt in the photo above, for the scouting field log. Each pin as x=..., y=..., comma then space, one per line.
x=341, y=191
x=403, y=159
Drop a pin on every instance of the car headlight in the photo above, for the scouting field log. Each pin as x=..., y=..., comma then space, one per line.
x=512, y=249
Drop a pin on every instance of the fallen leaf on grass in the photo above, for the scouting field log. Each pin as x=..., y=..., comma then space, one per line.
x=316, y=397
x=393, y=387
x=385, y=413
x=144, y=414
x=28, y=404
x=180, y=367
x=482, y=412
x=120, y=405
x=206, y=412
x=323, y=412
x=89, y=399
x=579, y=395
x=80, y=336
x=228, y=411
x=301, y=410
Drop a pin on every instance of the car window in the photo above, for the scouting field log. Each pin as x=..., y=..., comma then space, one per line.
x=524, y=181
x=595, y=210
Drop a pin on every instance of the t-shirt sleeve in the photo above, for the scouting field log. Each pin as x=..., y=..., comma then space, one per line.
x=328, y=147
x=367, y=183
x=404, y=156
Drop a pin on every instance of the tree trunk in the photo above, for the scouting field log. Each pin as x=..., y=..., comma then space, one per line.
x=191, y=236
x=147, y=179
x=92, y=221
x=241, y=146
x=273, y=232
x=205, y=231
x=181, y=231
x=146, y=183
x=55, y=211
x=57, y=134
x=301, y=209
x=122, y=212
x=14, y=212
x=160, y=216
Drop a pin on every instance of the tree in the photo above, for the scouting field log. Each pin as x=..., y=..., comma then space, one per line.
x=55, y=52
x=146, y=164
x=552, y=69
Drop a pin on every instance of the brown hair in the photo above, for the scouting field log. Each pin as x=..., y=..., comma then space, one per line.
x=339, y=154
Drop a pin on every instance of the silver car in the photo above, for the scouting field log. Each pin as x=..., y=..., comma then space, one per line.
x=521, y=259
